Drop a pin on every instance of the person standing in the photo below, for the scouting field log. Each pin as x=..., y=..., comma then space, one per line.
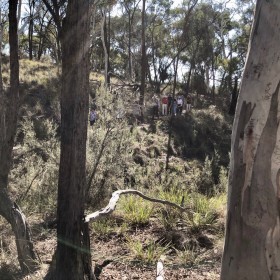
x=164, y=103
x=156, y=105
x=92, y=117
x=180, y=103
x=169, y=104
x=189, y=102
x=174, y=107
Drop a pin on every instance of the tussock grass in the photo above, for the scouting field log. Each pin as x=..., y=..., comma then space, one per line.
x=136, y=211
x=149, y=252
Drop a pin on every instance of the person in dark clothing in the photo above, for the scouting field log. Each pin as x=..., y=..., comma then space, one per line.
x=92, y=117
x=169, y=106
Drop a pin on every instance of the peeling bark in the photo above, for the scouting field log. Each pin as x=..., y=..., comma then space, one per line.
x=253, y=227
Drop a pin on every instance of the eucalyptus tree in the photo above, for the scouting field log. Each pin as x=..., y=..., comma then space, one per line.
x=130, y=7
x=9, y=106
x=57, y=10
x=227, y=60
x=38, y=32
x=251, y=248
x=174, y=43
x=31, y=4
x=73, y=257
x=240, y=40
x=157, y=39
x=199, y=35
x=46, y=35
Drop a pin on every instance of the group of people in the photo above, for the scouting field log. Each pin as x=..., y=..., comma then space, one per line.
x=167, y=105
x=170, y=106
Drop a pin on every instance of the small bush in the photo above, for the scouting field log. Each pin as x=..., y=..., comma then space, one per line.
x=35, y=172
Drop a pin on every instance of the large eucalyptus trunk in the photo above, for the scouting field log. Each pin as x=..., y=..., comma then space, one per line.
x=252, y=248
x=9, y=105
x=73, y=260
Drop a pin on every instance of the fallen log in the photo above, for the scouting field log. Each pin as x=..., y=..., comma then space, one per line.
x=115, y=198
x=160, y=271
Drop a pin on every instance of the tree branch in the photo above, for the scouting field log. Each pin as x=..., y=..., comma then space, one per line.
x=115, y=198
x=160, y=270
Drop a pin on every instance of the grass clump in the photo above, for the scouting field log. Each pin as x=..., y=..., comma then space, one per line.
x=136, y=211
x=148, y=253
x=205, y=211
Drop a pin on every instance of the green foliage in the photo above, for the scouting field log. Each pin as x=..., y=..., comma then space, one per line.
x=147, y=253
x=137, y=211
x=108, y=149
x=35, y=174
x=105, y=227
x=205, y=211
x=203, y=133
x=205, y=182
x=200, y=144
x=188, y=256
x=169, y=216
x=222, y=186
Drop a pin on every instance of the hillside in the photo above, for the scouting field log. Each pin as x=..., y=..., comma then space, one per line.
x=125, y=153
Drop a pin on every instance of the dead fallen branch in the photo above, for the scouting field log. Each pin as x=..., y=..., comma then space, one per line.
x=115, y=197
x=160, y=271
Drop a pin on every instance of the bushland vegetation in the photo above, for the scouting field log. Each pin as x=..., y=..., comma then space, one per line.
x=123, y=153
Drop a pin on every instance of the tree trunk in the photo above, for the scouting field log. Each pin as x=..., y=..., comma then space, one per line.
x=9, y=104
x=234, y=96
x=189, y=79
x=104, y=39
x=143, y=56
x=1, y=40
x=73, y=258
x=30, y=39
x=129, y=46
x=169, y=149
x=253, y=225
x=42, y=36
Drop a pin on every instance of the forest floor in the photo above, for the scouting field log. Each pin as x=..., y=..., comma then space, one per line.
x=120, y=267
x=122, y=250
x=112, y=258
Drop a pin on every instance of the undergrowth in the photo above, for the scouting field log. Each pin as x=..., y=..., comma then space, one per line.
x=123, y=154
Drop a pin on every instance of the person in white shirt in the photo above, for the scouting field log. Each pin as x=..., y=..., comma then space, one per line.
x=180, y=103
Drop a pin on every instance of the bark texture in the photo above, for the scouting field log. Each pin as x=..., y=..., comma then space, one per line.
x=73, y=255
x=253, y=228
x=9, y=104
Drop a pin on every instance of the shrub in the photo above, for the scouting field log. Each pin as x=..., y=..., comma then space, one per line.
x=34, y=175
